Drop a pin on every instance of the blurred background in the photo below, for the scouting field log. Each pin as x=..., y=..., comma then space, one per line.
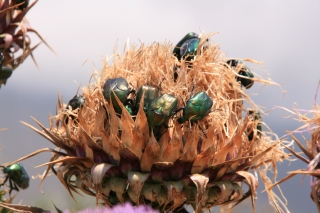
x=284, y=35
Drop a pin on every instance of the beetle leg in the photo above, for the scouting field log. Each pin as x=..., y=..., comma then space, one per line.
x=13, y=186
x=5, y=180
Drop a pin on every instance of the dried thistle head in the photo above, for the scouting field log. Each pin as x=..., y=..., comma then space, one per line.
x=150, y=156
x=14, y=29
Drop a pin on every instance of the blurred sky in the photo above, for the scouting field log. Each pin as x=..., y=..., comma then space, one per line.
x=282, y=34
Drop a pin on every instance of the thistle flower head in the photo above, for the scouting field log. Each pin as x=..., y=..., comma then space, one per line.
x=189, y=140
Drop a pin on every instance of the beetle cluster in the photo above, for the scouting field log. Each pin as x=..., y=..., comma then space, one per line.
x=187, y=48
x=159, y=108
x=17, y=177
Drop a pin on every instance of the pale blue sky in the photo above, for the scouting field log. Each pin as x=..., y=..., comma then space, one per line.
x=283, y=34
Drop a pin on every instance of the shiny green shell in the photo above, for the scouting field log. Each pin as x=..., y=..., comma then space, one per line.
x=120, y=88
x=18, y=175
x=161, y=110
x=247, y=83
x=150, y=94
x=177, y=48
x=5, y=73
x=197, y=107
x=245, y=71
x=76, y=102
x=189, y=49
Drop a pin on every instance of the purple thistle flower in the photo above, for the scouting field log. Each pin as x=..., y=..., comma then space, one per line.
x=126, y=208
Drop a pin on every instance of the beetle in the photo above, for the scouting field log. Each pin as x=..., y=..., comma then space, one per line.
x=161, y=110
x=120, y=88
x=17, y=176
x=150, y=94
x=196, y=108
x=177, y=48
x=255, y=116
x=5, y=73
x=245, y=71
x=76, y=102
x=189, y=49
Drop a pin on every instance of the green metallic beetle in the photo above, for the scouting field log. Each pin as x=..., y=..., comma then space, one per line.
x=196, y=108
x=150, y=94
x=120, y=88
x=245, y=71
x=76, y=102
x=5, y=71
x=17, y=176
x=161, y=110
x=177, y=48
x=189, y=49
x=255, y=116
x=247, y=83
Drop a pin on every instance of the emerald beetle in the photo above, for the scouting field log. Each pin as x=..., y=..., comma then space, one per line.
x=177, y=48
x=120, y=88
x=17, y=176
x=184, y=48
x=5, y=73
x=76, y=102
x=161, y=110
x=189, y=49
x=150, y=94
x=255, y=116
x=196, y=108
x=245, y=71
